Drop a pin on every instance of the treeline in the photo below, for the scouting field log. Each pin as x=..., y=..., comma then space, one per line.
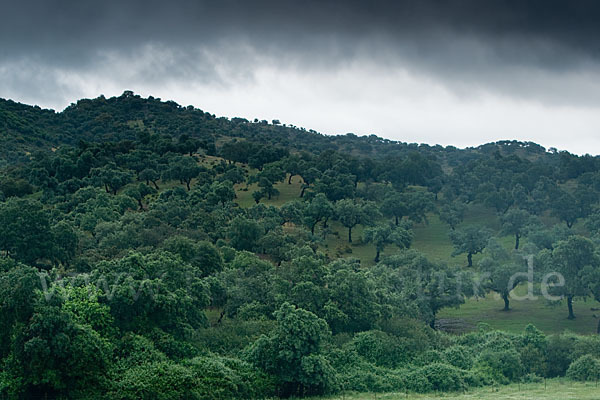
x=131, y=271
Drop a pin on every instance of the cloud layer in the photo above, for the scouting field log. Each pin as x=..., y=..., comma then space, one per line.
x=451, y=72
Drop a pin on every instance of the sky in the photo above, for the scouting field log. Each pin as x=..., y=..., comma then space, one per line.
x=462, y=72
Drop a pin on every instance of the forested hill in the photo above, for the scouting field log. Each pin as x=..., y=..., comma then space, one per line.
x=153, y=251
x=127, y=117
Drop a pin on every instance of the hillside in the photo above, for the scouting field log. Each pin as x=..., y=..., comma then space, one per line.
x=250, y=258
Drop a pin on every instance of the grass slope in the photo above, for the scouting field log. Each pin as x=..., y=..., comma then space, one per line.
x=431, y=238
x=553, y=389
x=546, y=316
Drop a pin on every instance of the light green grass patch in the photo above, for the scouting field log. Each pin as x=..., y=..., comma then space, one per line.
x=555, y=389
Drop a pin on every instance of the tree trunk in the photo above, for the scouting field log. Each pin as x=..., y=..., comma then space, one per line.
x=377, y=256
x=187, y=184
x=350, y=235
x=470, y=259
x=221, y=317
x=506, y=302
x=396, y=220
x=303, y=189
x=598, y=328
x=312, y=228
x=517, y=237
x=432, y=322
x=155, y=185
x=570, y=305
x=290, y=179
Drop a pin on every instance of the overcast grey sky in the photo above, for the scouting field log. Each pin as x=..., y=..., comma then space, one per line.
x=461, y=72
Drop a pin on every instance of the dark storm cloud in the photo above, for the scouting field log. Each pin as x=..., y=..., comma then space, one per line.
x=531, y=32
x=515, y=48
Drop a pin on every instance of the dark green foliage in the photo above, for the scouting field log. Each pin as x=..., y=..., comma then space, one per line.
x=351, y=213
x=382, y=349
x=25, y=231
x=202, y=255
x=443, y=377
x=383, y=235
x=57, y=351
x=244, y=233
x=585, y=368
x=470, y=240
x=502, y=271
x=501, y=366
x=117, y=282
x=292, y=353
x=576, y=260
x=459, y=356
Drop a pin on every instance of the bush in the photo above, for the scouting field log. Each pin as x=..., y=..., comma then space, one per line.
x=162, y=380
x=228, y=378
x=587, y=345
x=418, y=335
x=430, y=357
x=443, y=377
x=502, y=367
x=380, y=348
x=585, y=368
x=560, y=354
x=477, y=378
x=416, y=381
x=356, y=374
x=459, y=356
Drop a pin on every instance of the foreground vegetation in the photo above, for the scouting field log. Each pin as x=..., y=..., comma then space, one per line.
x=152, y=251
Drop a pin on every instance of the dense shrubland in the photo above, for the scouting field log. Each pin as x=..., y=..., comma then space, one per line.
x=130, y=270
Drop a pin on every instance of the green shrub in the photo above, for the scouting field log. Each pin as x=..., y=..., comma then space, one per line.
x=133, y=350
x=172, y=347
x=503, y=367
x=497, y=341
x=418, y=336
x=559, y=354
x=587, y=345
x=228, y=378
x=162, y=380
x=380, y=348
x=585, y=368
x=356, y=374
x=459, y=356
x=444, y=377
x=477, y=378
x=416, y=381
x=430, y=357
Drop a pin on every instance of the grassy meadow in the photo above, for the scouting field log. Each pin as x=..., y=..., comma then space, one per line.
x=431, y=238
x=553, y=389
